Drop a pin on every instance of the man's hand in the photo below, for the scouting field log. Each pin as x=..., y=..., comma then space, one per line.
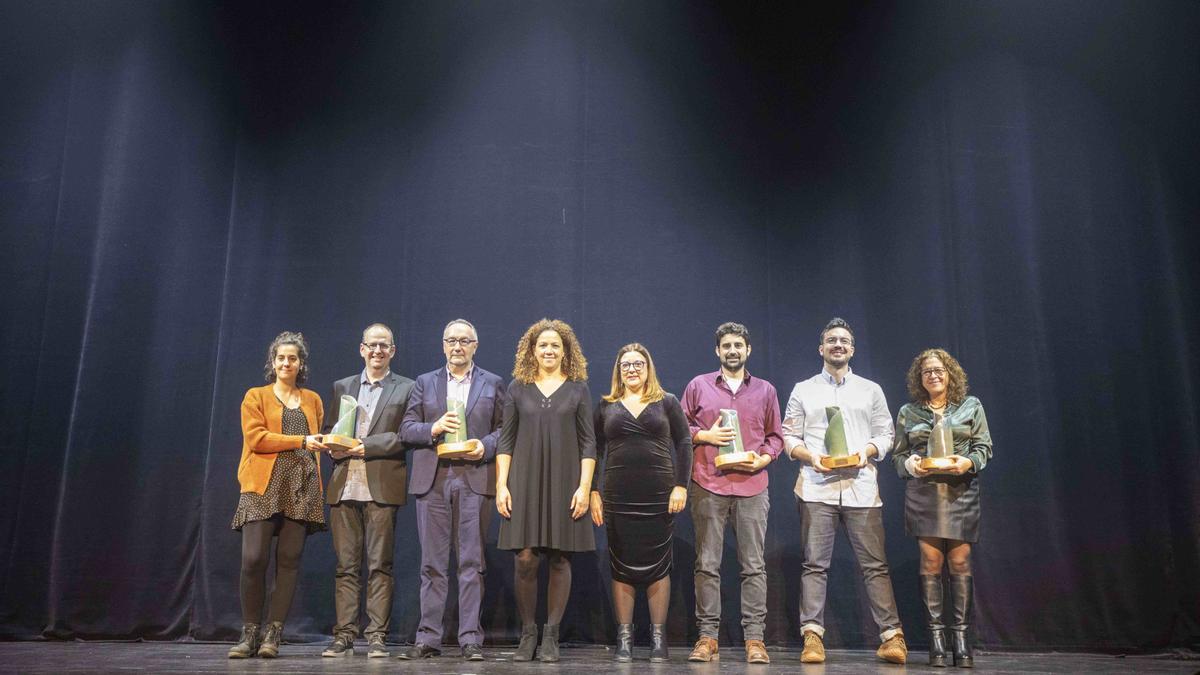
x=716, y=434
x=476, y=454
x=358, y=451
x=816, y=463
x=447, y=422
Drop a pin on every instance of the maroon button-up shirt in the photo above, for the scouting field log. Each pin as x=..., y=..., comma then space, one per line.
x=757, y=405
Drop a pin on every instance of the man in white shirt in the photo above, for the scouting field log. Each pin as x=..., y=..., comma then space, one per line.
x=849, y=495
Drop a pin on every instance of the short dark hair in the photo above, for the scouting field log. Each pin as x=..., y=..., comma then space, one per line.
x=287, y=337
x=731, y=328
x=836, y=322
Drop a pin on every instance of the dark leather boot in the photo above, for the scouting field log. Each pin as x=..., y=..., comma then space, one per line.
x=624, y=653
x=961, y=592
x=931, y=591
x=549, y=643
x=528, y=644
x=247, y=645
x=658, y=642
x=272, y=636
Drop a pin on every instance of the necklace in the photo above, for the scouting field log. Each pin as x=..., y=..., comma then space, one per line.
x=937, y=407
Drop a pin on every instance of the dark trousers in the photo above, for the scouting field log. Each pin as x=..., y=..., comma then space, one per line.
x=357, y=526
x=864, y=527
x=451, y=512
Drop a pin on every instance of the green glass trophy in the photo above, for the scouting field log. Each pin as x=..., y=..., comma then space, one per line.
x=837, y=451
x=733, y=456
x=456, y=443
x=940, y=450
x=341, y=436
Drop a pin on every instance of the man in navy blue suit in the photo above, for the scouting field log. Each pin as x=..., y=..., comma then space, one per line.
x=454, y=496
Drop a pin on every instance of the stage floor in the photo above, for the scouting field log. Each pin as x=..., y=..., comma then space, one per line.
x=172, y=657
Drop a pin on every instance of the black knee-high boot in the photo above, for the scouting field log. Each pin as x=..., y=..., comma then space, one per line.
x=931, y=591
x=961, y=592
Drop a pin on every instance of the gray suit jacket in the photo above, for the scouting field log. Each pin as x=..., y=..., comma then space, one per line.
x=387, y=473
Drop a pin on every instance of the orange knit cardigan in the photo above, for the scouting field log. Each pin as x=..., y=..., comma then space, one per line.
x=262, y=422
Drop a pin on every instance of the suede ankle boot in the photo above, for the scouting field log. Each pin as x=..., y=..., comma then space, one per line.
x=550, y=643
x=528, y=645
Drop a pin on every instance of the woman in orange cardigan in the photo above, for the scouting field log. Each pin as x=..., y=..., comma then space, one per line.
x=280, y=489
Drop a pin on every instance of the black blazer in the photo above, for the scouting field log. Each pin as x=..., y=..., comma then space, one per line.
x=387, y=473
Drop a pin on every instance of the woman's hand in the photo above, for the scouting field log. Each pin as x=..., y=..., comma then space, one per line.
x=314, y=443
x=961, y=465
x=579, y=503
x=678, y=499
x=503, y=501
x=597, y=509
x=913, y=465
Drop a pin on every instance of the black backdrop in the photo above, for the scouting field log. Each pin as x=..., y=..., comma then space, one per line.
x=179, y=181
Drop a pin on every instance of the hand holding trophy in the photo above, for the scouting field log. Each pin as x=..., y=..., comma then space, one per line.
x=733, y=456
x=341, y=438
x=941, y=444
x=455, y=442
x=837, y=450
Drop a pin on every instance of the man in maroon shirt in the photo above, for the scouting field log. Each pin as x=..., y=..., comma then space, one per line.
x=736, y=496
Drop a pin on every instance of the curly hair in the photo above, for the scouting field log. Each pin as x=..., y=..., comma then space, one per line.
x=956, y=388
x=732, y=328
x=287, y=337
x=574, y=366
x=652, y=391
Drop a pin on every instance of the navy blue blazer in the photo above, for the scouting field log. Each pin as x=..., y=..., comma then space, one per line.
x=485, y=413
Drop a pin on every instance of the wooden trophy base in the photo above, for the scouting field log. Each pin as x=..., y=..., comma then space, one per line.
x=938, y=464
x=455, y=450
x=734, y=461
x=339, y=442
x=839, y=462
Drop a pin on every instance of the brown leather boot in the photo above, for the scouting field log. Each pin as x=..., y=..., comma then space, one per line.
x=705, y=650
x=893, y=649
x=814, y=648
x=756, y=652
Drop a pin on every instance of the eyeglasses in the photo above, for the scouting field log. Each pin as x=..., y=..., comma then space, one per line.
x=378, y=346
x=930, y=372
x=833, y=340
x=632, y=365
x=462, y=342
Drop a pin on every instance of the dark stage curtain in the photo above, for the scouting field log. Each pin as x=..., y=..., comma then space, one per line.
x=180, y=181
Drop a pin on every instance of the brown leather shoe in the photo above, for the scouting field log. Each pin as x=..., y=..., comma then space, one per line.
x=756, y=652
x=705, y=650
x=814, y=648
x=893, y=650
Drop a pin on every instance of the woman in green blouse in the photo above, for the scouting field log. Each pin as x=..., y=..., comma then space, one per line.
x=941, y=509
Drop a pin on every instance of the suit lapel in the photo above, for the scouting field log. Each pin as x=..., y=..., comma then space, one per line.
x=439, y=392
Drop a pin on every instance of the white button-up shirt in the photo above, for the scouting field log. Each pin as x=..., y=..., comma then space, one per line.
x=867, y=421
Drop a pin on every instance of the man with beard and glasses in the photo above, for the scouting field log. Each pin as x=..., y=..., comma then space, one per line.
x=832, y=407
x=737, y=496
x=364, y=492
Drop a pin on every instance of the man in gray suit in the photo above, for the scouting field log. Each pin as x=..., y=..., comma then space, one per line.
x=367, y=487
x=454, y=496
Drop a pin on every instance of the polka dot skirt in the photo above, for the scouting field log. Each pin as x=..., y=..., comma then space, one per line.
x=294, y=489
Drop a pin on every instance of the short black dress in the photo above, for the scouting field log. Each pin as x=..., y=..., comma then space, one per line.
x=644, y=458
x=294, y=489
x=547, y=437
x=942, y=505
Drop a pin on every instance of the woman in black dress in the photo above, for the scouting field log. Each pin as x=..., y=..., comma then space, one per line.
x=544, y=463
x=942, y=509
x=643, y=435
x=280, y=483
